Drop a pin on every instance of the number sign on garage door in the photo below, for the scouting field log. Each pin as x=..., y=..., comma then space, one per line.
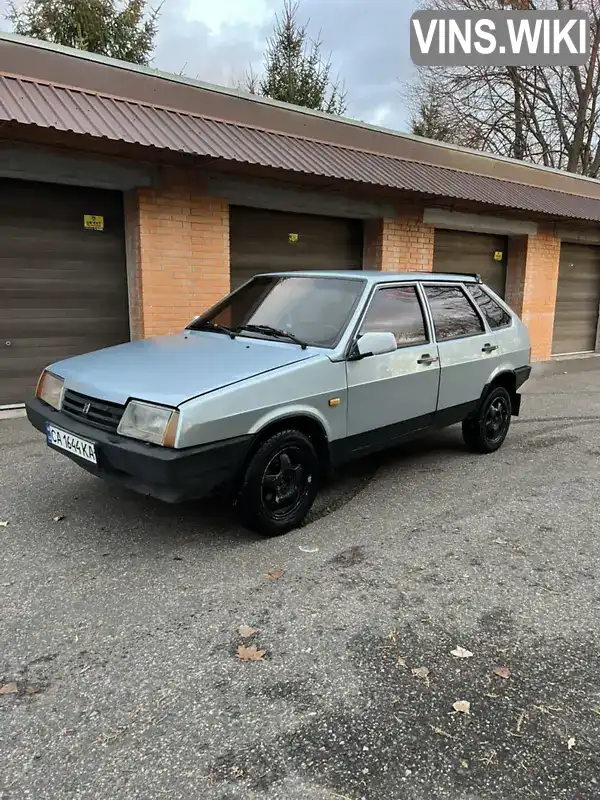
x=464, y=252
x=274, y=241
x=577, y=299
x=63, y=285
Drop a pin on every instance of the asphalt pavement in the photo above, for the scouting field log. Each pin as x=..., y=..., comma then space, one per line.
x=120, y=627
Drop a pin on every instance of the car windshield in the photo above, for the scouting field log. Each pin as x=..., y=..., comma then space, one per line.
x=314, y=310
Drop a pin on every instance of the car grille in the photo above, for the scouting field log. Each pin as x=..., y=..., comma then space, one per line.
x=98, y=413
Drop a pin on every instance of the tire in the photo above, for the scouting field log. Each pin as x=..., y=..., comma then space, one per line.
x=486, y=431
x=280, y=484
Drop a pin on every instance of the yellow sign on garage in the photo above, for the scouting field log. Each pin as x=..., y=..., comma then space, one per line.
x=93, y=222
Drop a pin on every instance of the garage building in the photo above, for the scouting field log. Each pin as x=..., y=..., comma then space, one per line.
x=133, y=200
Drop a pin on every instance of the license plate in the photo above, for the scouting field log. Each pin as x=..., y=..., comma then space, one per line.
x=71, y=444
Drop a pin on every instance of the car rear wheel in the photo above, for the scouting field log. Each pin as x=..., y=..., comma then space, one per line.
x=486, y=431
x=280, y=484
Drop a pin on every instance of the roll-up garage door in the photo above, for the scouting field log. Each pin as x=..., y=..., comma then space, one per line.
x=577, y=299
x=464, y=252
x=63, y=284
x=276, y=241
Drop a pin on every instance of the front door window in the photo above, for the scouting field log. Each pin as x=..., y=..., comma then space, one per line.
x=397, y=309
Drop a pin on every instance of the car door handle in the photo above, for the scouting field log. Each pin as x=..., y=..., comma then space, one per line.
x=427, y=359
x=489, y=348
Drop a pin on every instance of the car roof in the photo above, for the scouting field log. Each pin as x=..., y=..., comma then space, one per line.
x=375, y=276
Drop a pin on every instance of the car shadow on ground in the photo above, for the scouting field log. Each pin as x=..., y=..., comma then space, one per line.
x=213, y=521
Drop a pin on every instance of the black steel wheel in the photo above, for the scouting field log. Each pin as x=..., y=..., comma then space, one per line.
x=486, y=431
x=280, y=484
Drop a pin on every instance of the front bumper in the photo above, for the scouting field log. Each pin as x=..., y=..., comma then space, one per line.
x=161, y=472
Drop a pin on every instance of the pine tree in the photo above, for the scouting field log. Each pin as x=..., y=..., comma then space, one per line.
x=431, y=122
x=121, y=30
x=295, y=70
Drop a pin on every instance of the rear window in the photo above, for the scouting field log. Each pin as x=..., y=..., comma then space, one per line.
x=494, y=314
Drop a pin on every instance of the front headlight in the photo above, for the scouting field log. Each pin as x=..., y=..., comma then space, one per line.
x=149, y=423
x=50, y=389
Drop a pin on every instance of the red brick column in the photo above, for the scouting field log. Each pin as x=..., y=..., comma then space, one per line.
x=404, y=244
x=532, y=284
x=178, y=254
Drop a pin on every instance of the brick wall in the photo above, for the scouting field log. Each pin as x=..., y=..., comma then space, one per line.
x=532, y=281
x=401, y=244
x=178, y=255
x=406, y=243
x=178, y=260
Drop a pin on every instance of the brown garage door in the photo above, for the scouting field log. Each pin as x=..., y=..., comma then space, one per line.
x=63, y=287
x=577, y=299
x=459, y=251
x=274, y=241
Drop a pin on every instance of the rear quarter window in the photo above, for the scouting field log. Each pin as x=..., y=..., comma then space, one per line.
x=495, y=315
x=452, y=313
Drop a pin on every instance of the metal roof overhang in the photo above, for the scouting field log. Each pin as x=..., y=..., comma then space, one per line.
x=68, y=109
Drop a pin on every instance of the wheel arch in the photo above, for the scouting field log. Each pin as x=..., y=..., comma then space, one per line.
x=308, y=424
x=508, y=380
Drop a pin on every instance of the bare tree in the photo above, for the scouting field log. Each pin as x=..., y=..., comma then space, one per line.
x=547, y=115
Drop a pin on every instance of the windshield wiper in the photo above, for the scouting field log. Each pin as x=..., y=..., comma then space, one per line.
x=211, y=326
x=270, y=331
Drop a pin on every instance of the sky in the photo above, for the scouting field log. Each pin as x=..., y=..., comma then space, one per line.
x=368, y=41
x=216, y=41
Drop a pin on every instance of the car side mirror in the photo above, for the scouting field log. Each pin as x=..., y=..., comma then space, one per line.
x=375, y=343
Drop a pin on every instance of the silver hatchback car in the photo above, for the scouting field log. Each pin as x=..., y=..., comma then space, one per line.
x=285, y=379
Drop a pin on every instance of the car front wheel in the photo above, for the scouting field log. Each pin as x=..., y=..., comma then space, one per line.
x=486, y=431
x=280, y=484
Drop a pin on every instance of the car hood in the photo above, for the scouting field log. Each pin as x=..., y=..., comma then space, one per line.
x=172, y=369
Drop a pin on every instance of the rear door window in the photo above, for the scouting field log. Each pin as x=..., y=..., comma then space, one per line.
x=397, y=309
x=453, y=315
x=495, y=315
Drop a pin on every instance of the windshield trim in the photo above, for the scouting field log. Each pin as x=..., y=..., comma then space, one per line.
x=217, y=307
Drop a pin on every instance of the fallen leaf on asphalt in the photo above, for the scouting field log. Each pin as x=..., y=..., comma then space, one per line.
x=464, y=764
x=571, y=743
x=246, y=630
x=401, y=662
x=462, y=706
x=460, y=652
x=502, y=672
x=308, y=549
x=9, y=688
x=275, y=574
x=251, y=653
x=3, y=524
x=500, y=541
x=596, y=711
x=58, y=518
x=422, y=673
